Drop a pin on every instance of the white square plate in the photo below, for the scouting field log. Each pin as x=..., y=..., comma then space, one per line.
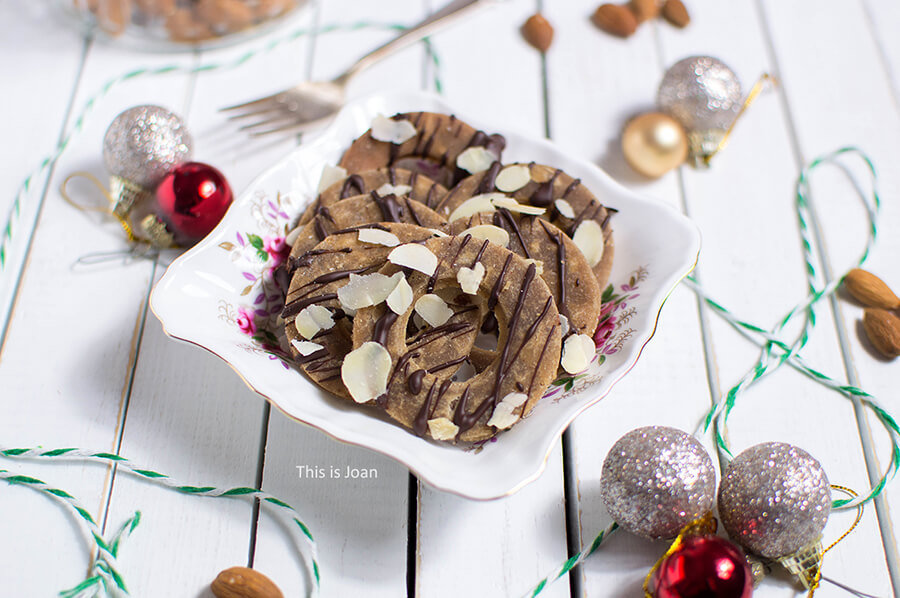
x=209, y=295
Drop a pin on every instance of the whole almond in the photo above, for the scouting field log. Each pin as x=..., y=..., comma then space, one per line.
x=615, y=19
x=241, y=582
x=883, y=329
x=870, y=290
x=675, y=12
x=644, y=10
x=538, y=32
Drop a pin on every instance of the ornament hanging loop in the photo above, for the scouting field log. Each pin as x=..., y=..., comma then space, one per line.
x=757, y=89
x=116, y=213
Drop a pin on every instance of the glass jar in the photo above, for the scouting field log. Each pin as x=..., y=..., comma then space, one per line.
x=180, y=24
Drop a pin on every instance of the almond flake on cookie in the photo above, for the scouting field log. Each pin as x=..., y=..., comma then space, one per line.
x=378, y=237
x=503, y=416
x=368, y=289
x=488, y=232
x=330, y=175
x=442, y=428
x=564, y=208
x=312, y=319
x=563, y=325
x=589, y=239
x=476, y=159
x=415, y=256
x=292, y=236
x=400, y=298
x=474, y=205
x=433, y=310
x=305, y=348
x=504, y=201
x=398, y=190
x=538, y=265
x=512, y=178
x=469, y=279
x=392, y=131
x=365, y=371
x=578, y=351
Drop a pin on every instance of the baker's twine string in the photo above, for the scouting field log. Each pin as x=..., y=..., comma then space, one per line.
x=106, y=579
x=23, y=193
x=777, y=352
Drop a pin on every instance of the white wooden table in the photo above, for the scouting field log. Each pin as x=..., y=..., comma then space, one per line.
x=82, y=363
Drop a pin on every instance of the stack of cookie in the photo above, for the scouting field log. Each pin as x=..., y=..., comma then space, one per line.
x=433, y=282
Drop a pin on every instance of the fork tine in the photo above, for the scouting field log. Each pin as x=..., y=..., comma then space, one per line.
x=263, y=110
x=299, y=125
x=282, y=117
x=251, y=103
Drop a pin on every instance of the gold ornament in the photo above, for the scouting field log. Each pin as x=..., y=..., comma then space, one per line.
x=654, y=144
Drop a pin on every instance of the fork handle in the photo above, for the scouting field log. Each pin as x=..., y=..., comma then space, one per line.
x=449, y=14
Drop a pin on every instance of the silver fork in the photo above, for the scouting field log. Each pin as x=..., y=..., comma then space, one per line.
x=312, y=103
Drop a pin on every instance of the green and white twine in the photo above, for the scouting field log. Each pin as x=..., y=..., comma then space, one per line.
x=106, y=579
x=776, y=352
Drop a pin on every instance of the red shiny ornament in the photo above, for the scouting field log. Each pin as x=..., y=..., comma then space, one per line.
x=192, y=199
x=703, y=567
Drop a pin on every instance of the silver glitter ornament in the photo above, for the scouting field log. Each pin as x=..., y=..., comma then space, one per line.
x=774, y=499
x=144, y=143
x=704, y=95
x=656, y=480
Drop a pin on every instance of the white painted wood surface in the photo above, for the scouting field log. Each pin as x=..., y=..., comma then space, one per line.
x=83, y=364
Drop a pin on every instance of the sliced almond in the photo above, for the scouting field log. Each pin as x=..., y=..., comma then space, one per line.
x=305, y=348
x=392, y=131
x=330, y=175
x=388, y=189
x=401, y=297
x=564, y=208
x=438, y=233
x=378, y=237
x=365, y=371
x=578, y=351
x=512, y=205
x=589, y=239
x=488, y=232
x=442, y=428
x=312, y=319
x=368, y=289
x=538, y=265
x=433, y=310
x=563, y=325
x=512, y=178
x=475, y=205
x=291, y=237
x=476, y=159
x=470, y=278
x=503, y=416
x=415, y=256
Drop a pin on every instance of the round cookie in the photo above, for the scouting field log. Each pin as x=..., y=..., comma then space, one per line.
x=362, y=210
x=422, y=188
x=561, y=264
x=545, y=185
x=438, y=142
x=525, y=362
x=316, y=277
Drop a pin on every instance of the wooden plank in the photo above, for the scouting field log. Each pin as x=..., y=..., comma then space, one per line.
x=596, y=82
x=762, y=248
x=71, y=344
x=360, y=524
x=31, y=140
x=827, y=113
x=489, y=72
